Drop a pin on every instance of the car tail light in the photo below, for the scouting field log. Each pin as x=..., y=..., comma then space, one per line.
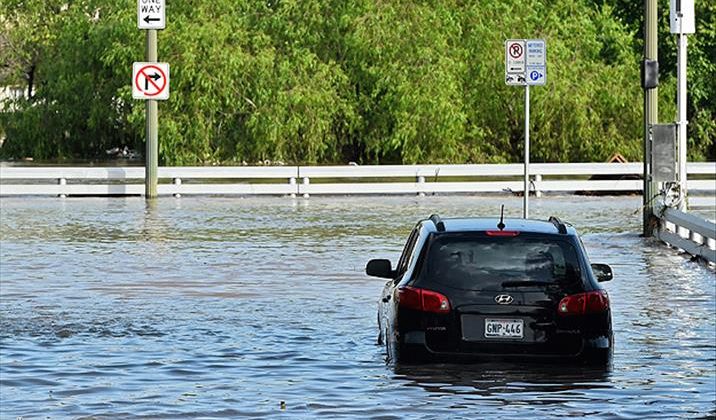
x=423, y=300
x=584, y=303
x=502, y=233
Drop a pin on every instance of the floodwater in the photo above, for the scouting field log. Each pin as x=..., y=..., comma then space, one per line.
x=205, y=307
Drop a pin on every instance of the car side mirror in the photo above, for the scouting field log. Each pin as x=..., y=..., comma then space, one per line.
x=379, y=268
x=602, y=272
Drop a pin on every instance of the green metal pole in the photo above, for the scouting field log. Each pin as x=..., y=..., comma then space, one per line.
x=651, y=115
x=151, y=160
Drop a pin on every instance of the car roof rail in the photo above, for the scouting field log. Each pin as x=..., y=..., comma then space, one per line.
x=438, y=222
x=561, y=227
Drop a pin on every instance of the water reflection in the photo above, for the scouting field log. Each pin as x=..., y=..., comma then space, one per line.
x=488, y=380
x=154, y=227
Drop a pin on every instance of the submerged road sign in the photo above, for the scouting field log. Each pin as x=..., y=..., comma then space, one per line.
x=150, y=81
x=151, y=14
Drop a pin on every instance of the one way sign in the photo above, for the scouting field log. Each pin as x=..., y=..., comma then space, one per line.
x=151, y=14
x=150, y=81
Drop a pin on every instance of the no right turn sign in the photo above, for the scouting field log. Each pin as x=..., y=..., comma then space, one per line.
x=150, y=81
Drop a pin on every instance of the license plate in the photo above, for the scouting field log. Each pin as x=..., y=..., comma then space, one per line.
x=504, y=328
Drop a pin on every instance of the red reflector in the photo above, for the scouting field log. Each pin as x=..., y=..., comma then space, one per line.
x=584, y=303
x=503, y=233
x=423, y=300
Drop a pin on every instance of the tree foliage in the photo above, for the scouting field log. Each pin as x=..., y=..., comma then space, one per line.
x=330, y=81
x=701, y=102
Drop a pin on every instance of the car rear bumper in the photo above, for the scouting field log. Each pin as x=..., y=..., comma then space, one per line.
x=413, y=349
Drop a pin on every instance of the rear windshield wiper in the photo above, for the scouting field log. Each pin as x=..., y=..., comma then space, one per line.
x=527, y=283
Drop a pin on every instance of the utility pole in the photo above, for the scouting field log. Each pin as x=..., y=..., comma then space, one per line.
x=151, y=162
x=650, y=82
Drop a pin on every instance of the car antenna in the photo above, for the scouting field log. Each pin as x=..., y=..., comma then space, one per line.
x=501, y=225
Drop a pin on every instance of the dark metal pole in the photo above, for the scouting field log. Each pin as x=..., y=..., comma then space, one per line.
x=651, y=114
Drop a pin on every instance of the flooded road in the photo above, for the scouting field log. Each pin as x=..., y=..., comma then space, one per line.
x=227, y=307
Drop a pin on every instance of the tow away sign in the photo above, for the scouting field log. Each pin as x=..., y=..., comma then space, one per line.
x=151, y=14
x=150, y=81
x=525, y=62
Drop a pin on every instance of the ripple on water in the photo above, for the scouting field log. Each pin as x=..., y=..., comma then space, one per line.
x=226, y=307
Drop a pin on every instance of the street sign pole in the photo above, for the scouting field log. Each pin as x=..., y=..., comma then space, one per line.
x=151, y=160
x=150, y=82
x=525, y=207
x=526, y=65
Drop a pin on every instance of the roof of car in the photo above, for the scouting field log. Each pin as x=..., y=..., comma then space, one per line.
x=476, y=224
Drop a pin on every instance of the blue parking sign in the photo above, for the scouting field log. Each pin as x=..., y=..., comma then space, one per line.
x=536, y=75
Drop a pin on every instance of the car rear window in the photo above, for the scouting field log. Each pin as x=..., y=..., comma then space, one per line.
x=489, y=263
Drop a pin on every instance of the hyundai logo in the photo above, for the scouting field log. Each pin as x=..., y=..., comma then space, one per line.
x=503, y=299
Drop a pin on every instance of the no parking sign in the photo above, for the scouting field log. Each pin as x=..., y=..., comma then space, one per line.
x=525, y=62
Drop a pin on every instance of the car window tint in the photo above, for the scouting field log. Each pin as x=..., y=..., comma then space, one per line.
x=407, y=252
x=485, y=263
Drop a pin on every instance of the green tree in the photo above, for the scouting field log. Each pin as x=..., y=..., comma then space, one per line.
x=329, y=81
x=701, y=99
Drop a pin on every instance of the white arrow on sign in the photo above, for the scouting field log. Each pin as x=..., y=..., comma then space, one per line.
x=151, y=14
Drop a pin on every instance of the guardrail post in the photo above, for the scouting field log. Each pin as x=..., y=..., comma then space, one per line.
x=177, y=184
x=292, y=182
x=62, y=181
x=306, y=181
x=421, y=185
x=695, y=237
x=537, y=182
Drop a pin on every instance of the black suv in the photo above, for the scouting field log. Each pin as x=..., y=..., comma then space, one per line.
x=482, y=289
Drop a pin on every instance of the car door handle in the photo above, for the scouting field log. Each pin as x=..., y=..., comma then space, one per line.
x=386, y=299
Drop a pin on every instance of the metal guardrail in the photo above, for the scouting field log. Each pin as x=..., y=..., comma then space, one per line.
x=307, y=180
x=688, y=232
